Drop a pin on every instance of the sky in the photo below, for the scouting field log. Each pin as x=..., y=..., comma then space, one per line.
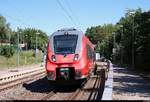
x=51, y=15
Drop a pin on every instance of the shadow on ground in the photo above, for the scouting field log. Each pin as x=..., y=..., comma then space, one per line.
x=44, y=86
x=130, y=83
x=97, y=90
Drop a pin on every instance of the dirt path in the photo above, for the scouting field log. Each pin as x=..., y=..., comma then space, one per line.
x=128, y=85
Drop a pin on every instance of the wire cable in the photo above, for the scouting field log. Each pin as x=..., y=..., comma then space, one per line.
x=67, y=13
x=70, y=9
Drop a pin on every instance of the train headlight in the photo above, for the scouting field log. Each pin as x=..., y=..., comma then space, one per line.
x=78, y=73
x=76, y=56
x=50, y=75
x=53, y=58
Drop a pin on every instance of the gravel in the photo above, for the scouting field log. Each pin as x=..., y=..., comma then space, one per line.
x=36, y=89
x=128, y=85
x=31, y=91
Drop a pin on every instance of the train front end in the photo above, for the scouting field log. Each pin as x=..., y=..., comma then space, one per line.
x=64, y=54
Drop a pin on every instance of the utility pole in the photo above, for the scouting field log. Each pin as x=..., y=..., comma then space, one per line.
x=133, y=54
x=121, y=47
x=31, y=42
x=37, y=33
x=18, y=51
x=26, y=41
x=9, y=37
x=114, y=49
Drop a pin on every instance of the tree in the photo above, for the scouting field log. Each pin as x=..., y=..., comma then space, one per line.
x=4, y=29
x=142, y=41
x=7, y=51
x=140, y=23
x=28, y=37
x=101, y=36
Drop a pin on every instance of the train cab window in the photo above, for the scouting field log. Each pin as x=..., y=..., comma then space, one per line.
x=65, y=44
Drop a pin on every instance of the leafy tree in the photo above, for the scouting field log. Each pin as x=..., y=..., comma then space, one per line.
x=124, y=39
x=7, y=51
x=101, y=36
x=4, y=30
x=28, y=36
x=142, y=40
x=139, y=22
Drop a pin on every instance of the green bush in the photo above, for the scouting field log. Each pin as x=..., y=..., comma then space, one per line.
x=7, y=51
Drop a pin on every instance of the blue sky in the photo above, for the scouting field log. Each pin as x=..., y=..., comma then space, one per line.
x=49, y=16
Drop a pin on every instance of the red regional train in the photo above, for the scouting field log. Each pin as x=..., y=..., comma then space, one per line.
x=70, y=56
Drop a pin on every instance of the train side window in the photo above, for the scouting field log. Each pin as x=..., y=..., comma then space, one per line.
x=89, y=52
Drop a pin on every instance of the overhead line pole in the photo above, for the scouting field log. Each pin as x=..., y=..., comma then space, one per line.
x=133, y=54
x=18, y=51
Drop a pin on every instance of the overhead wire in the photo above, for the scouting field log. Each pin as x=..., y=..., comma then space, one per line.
x=67, y=13
x=77, y=23
x=74, y=15
x=14, y=18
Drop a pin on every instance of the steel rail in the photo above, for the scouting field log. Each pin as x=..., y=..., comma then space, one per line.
x=50, y=94
x=17, y=82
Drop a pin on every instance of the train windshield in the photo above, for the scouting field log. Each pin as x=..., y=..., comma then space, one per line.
x=65, y=44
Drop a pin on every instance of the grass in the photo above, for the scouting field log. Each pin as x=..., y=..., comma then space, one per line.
x=25, y=58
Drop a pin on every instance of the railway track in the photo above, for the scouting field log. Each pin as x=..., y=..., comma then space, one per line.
x=50, y=94
x=99, y=81
x=29, y=78
x=91, y=83
x=75, y=94
x=55, y=92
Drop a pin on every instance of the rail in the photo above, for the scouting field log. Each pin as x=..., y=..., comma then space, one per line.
x=12, y=76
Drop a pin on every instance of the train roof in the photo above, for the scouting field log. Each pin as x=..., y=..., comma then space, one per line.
x=68, y=31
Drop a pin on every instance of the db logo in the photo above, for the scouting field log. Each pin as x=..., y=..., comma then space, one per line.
x=64, y=59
